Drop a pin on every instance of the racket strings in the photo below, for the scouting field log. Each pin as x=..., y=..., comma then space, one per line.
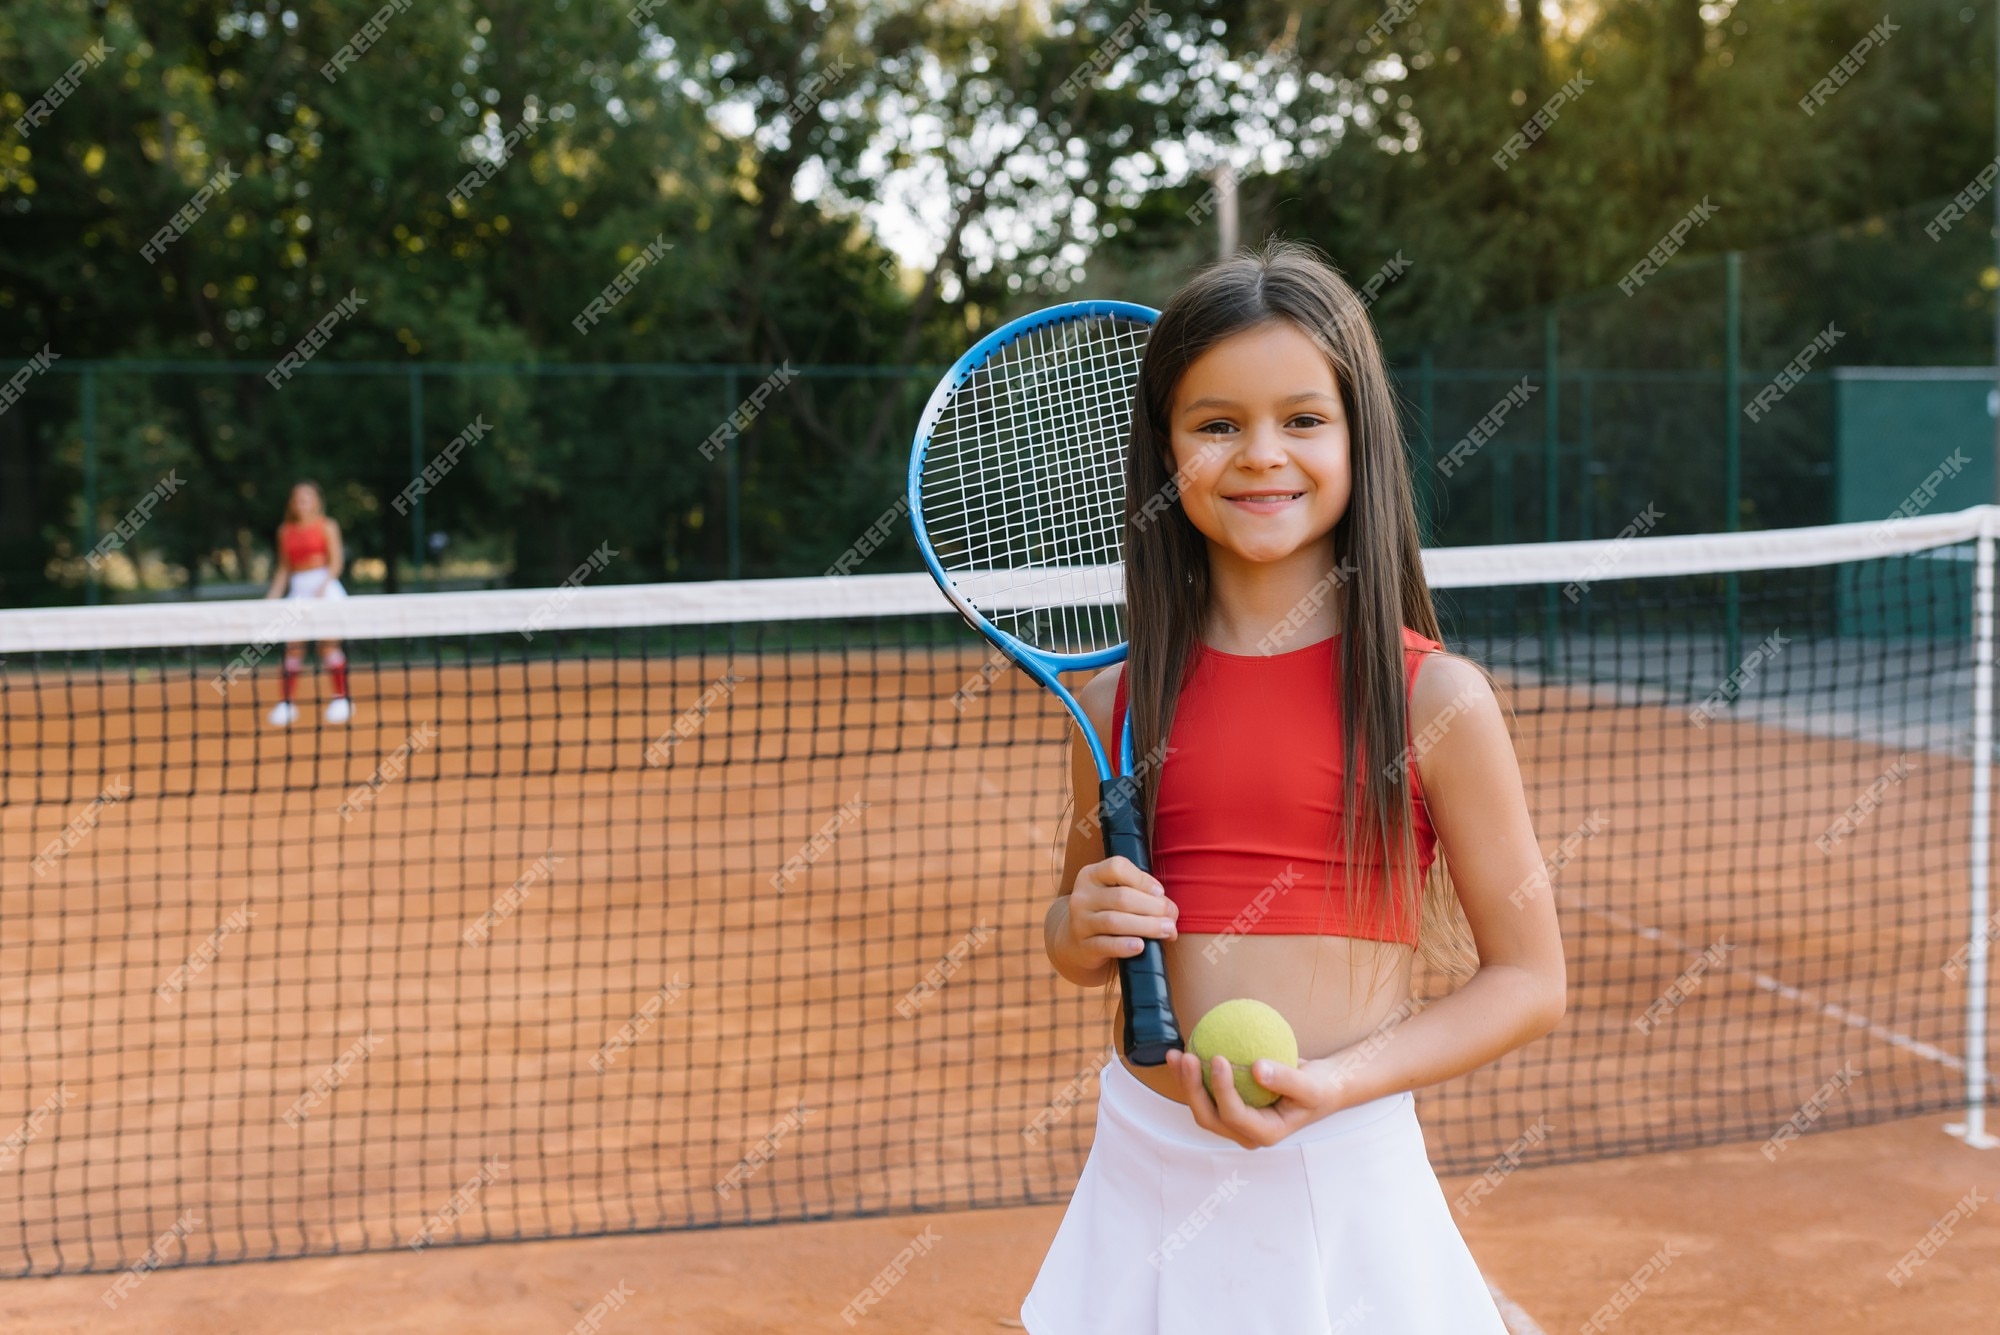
x=1023, y=482
x=1076, y=509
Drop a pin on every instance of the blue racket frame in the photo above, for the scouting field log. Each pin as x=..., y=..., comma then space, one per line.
x=1151, y=1030
x=1042, y=666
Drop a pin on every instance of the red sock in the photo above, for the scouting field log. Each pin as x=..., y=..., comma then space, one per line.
x=336, y=667
x=292, y=666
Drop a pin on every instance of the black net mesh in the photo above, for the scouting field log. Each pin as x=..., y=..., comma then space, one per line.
x=673, y=927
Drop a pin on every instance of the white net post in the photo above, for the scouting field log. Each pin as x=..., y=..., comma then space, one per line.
x=1973, y=1129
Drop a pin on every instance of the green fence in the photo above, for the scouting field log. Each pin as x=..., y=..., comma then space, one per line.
x=1704, y=395
x=686, y=472
x=1703, y=399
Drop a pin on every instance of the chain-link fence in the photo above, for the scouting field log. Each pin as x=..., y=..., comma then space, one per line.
x=127, y=476
x=1698, y=394
x=1694, y=397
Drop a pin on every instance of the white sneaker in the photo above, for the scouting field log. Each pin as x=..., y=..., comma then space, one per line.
x=283, y=713
x=338, y=710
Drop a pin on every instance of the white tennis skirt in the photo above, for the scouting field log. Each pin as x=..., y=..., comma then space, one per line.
x=1340, y=1227
x=308, y=583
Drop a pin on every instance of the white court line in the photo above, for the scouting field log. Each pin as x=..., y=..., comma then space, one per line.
x=1517, y=1319
x=1833, y=1010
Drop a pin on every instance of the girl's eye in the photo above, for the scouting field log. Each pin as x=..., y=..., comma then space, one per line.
x=1310, y=420
x=1215, y=428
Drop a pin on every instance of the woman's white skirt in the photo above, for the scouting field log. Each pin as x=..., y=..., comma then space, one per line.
x=1340, y=1227
x=308, y=583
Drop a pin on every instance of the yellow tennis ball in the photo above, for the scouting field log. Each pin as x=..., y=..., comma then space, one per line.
x=1244, y=1030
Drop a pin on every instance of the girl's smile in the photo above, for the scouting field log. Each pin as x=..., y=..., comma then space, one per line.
x=1264, y=502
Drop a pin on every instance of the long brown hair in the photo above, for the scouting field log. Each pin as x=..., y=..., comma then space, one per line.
x=1376, y=549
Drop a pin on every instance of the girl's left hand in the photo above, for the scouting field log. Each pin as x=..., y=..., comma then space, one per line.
x=1306, y=1094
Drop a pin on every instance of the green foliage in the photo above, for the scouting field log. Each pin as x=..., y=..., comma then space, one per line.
x=1684, y=101
x=1056, y=150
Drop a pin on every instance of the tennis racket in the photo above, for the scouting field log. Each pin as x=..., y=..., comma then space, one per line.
x=1017, y=495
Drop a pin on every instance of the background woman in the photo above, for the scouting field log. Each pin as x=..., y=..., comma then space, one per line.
x=309, y=562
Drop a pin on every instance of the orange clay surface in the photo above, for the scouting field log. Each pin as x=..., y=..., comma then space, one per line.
x=777, y=1024
x=1802, y=1247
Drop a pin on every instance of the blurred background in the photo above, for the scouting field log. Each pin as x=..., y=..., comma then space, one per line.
x=244, y=243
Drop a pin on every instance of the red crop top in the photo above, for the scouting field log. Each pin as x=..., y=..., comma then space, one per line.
x=1251, y=787
x=303, y=542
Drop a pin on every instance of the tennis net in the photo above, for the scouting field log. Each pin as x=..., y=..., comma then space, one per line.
x=664, y=907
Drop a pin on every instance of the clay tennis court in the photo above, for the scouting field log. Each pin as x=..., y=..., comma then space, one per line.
x=775, y=1047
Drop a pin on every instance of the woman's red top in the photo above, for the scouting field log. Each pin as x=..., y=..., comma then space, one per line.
x=303, y=544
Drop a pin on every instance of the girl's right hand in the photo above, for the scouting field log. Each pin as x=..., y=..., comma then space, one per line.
x=1112, y=909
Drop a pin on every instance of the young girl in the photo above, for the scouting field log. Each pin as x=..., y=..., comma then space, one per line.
x=1284, y=647
x=308, y=566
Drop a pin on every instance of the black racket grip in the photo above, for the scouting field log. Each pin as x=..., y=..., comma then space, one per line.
x=1150, y=1031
